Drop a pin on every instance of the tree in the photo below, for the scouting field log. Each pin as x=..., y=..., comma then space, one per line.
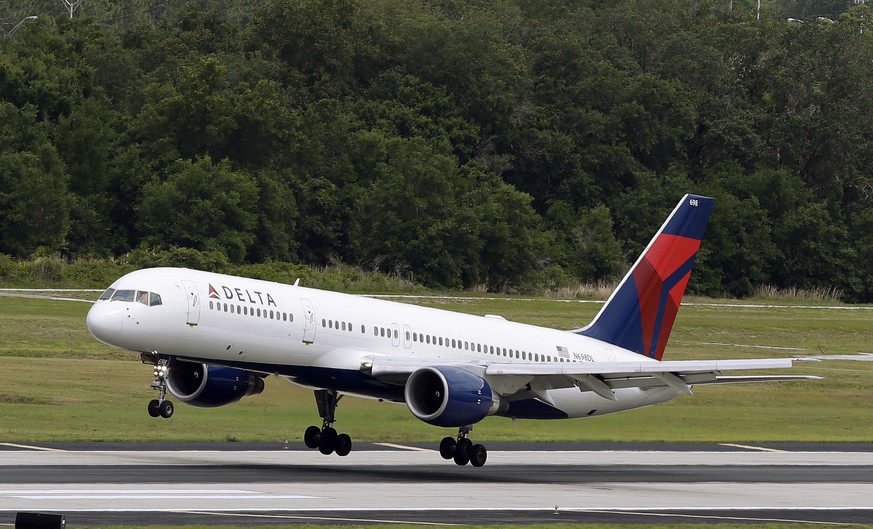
x=34, y=210
x=201, y=205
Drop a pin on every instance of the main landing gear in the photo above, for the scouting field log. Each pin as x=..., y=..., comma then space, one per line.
x=326, y=439
x=463, y=450
x=161, y=407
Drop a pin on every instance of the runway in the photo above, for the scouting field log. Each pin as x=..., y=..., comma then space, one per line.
x=265, y=484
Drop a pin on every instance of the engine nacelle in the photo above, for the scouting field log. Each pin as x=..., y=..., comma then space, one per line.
x=209, y=386
x=449, y=396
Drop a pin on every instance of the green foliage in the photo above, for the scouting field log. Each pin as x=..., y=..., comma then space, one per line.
x=211, y=261
x=201, y=205
x=502, y=144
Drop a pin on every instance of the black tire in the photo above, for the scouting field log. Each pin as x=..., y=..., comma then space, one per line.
x=343, y=445
x=312, y=437
x=154, y=408
x=447, y=447
x=167, y=409
x=327, y=443
x=463, y=450
x=478, y=456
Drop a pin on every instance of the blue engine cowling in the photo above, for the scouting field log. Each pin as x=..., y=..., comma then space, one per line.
x=449, y=396
x=209, y=386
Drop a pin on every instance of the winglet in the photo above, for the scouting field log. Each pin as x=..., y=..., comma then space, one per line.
x=639, y=315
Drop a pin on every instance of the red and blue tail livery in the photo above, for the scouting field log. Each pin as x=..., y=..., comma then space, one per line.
x=640, y=313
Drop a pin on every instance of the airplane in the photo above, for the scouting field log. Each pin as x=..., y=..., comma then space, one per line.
x=213, y=338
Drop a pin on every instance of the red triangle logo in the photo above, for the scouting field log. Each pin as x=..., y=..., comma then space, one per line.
x=213, y=294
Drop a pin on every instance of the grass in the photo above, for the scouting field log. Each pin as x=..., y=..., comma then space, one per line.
x=59, y=384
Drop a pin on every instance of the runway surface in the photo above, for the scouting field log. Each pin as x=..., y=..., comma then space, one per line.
x=266, y=484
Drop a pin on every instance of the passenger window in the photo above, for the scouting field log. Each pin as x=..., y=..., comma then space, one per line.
x=154, y=299
x=106, y=295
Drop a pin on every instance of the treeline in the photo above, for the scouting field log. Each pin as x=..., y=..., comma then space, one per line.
x=504, y=143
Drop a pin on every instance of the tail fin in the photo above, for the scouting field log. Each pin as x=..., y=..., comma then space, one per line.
x=639, y=315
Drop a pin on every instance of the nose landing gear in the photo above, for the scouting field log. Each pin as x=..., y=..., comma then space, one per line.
x=159, y=407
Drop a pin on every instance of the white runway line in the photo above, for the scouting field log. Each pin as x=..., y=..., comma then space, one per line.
x=750, y=457
x=772, y=347
x=405, y=447
x=747, y=447
x=315, y=518
x=29, y=447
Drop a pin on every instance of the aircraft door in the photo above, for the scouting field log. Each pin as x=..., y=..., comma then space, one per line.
x=193, y=301
x=308, y=321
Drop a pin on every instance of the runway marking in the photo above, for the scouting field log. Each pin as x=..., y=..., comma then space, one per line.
x=28, y=447
x=773, y=347
x=127, y=494
x=318, y=518
x=704, y=516
x=756, y=448
x=404, y=447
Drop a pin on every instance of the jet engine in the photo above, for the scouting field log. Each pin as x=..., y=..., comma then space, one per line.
x=449, y=396
x=209, y=386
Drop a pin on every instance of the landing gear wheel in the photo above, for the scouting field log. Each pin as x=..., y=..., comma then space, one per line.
x=166, y=409
x=159, y=407
x=343, y=445
x=463, y=451
x=447, y=447
x=327, y=440
x=312, y=437
x=478, y=455
x=327, y=443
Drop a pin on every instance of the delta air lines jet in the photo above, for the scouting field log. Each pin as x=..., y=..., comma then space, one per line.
x=213, y=338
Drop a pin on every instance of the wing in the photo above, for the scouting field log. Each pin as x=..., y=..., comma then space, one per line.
x=600, y=378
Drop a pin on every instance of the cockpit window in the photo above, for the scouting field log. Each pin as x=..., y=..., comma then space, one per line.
x=149, y=299
x=123, y=295
x=108, y=294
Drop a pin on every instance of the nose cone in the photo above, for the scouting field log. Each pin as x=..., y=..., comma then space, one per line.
x=104, y=322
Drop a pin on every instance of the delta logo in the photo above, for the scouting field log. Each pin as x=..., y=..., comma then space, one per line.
x=241, y=294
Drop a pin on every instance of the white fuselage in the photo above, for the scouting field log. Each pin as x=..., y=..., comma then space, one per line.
x=324, y=339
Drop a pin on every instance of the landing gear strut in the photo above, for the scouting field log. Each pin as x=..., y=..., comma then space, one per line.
x=463, y=450
x=326, y=439
x=160, y=407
